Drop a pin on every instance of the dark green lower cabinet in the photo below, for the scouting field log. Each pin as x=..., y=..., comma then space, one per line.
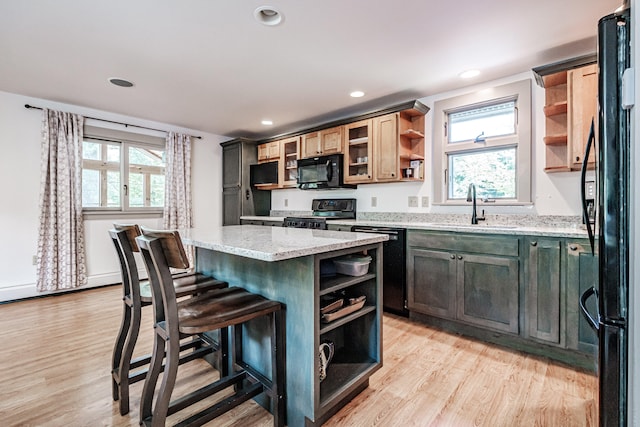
x=526, y=288
x=431, y=282
x=543, y=294
x=582, y=274
x=488, y=291
x=478, y=289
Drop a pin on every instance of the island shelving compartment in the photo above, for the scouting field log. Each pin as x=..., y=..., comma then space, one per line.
x=355, y=336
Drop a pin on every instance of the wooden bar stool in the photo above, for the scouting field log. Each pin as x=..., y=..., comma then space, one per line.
x=222, y=309
x=137, y=294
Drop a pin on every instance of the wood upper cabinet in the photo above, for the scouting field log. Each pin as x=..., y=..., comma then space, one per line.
x=385, y=130
x=269, y=151
x=583, y=100
x=571, y=99
x=358, y=152
x=322, y=143
x=398, y=146
x=288, y=168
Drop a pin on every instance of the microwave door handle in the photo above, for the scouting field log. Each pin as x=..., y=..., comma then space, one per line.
x=329, y=171
x=583, y=178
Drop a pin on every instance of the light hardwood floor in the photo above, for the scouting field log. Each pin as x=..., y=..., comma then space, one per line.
x=55, y=371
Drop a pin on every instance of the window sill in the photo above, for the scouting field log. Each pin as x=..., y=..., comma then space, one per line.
x=115, y=214
x=480, y=203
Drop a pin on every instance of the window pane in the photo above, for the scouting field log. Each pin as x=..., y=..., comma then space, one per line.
x=482, y=122
x=91, y=150
x=157, y=191
x=493, y=173
x=90, y=188
x=113, y=153
x=136, y=190
x=145, y=157
x=113, y=189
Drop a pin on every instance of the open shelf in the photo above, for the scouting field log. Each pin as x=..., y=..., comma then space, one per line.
x=555, y=109
x=346, y=319
x=341, y=372
x=412, y=133
x=340, y=281
x=359, y=141
x=555, y=140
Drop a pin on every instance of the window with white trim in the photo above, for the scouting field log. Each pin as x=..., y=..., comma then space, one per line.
x=484, y=138
x=122, y=172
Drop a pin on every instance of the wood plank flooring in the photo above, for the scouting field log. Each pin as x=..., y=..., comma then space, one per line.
x=55, y=371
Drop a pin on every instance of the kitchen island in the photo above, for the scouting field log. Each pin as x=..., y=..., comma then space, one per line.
x=295, y=266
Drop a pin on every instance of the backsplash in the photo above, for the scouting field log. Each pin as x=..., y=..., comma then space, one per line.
x=559, y=221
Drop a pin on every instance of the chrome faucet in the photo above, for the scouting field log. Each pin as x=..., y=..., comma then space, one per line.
x=471, y=197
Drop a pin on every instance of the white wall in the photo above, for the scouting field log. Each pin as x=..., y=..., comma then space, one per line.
x=554, y=194
x=20, y=139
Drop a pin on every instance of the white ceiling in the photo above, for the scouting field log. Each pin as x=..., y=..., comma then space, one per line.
x=209, y=65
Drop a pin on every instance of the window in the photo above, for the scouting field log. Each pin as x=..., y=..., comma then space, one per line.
x=122, y=171
x=484, y=138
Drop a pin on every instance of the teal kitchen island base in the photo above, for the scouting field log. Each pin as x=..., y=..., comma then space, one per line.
x=294, y=266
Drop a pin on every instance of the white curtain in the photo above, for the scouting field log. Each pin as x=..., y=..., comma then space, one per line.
x=61, y=248
x=177, y=187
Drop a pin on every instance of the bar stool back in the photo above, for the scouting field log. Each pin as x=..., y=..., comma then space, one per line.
x=137, y=294
x=222, y=309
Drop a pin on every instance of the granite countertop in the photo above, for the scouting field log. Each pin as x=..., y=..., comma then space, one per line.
x=492, y=226
x=550, y=231
x=274, y=243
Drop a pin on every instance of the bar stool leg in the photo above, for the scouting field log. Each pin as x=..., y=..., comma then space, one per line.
x=172, y=359
x=155, y=367
x=278, y=354
x=125, y=327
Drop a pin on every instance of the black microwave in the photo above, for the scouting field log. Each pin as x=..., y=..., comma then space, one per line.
x=321, y=173
x=263, y=173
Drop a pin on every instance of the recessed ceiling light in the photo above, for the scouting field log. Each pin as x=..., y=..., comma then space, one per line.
x=268, y=15
x=469, y=74
x=357, y=94
x=120, y=82
x=267, y=122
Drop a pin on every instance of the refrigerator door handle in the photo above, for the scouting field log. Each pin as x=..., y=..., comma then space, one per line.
x=583, y=178
x=583, y=306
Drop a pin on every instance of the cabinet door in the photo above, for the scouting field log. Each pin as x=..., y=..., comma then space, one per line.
x=310, y=144
x=487, y=288
x=263, y=152
x=542, y=292
x=358, y=152
x=431, y=282
x=331, y=141
x=231, y=205
x=232, y=165
x=582, y=274
x=386, y=148
x=583, y=93
x=288, y=169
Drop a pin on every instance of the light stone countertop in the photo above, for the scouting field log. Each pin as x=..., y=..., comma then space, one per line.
x=481, y=228
x=274, y=243
x=492, y=227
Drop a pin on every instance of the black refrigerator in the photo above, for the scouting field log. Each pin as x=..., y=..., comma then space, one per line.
x=612, y=218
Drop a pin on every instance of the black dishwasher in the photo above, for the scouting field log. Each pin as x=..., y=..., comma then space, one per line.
x=394, y=289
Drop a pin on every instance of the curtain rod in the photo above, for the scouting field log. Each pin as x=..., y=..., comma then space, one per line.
x=111, y=121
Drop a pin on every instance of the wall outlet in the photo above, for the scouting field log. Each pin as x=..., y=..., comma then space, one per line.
x=34, y=260
x=286, y=202
x=413, y=201
x=425, y=201
x=374, y=202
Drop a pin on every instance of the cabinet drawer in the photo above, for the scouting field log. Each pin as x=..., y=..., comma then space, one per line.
x=470, y=243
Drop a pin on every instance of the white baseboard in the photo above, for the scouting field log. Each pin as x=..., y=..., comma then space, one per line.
x=28, y=290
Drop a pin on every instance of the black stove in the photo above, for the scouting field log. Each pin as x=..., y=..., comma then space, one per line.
x=323, y=209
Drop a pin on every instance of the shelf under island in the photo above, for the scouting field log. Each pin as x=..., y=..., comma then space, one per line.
x=294, y=266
